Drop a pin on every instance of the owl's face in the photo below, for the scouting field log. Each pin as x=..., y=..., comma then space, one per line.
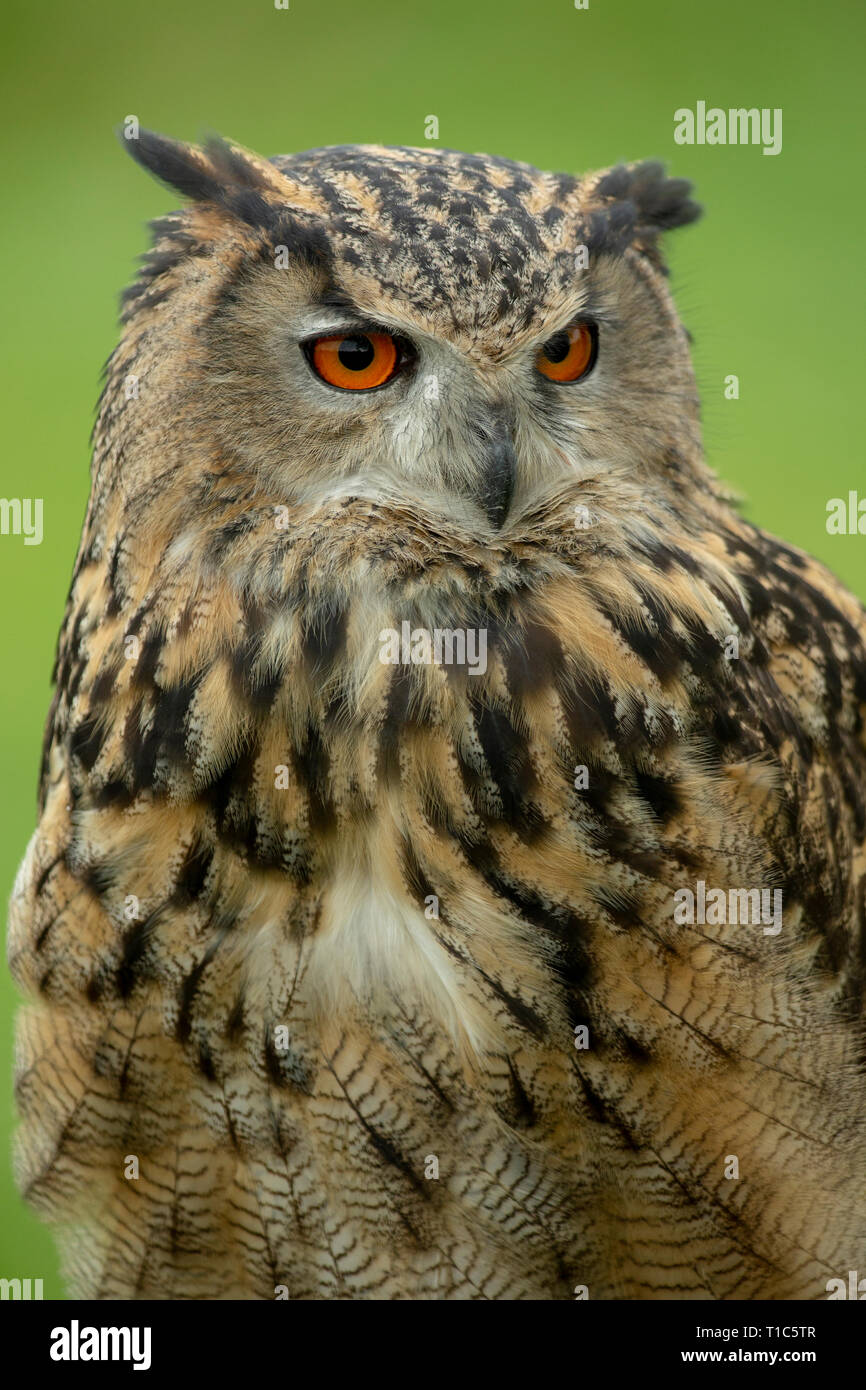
x=462, y=333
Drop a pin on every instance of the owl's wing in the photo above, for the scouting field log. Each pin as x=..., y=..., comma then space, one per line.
x=173, y=832
x=806, y=708
x=701, y=891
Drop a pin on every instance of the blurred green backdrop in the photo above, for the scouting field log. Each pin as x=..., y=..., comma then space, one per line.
x=769, y=283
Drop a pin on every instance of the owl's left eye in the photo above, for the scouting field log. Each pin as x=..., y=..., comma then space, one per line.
x=355, y=361
x=569, y=355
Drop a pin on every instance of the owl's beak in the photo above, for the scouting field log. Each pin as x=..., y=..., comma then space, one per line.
x=498, y=471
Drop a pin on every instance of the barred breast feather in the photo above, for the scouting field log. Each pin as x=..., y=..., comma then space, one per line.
x=250, y=823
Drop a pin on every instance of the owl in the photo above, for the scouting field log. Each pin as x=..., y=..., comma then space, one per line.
x=450, y=876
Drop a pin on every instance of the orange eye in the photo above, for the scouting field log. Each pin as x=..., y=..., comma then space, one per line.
x=568, y=355
x=354, y=361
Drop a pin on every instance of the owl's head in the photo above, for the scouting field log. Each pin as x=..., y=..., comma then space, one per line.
x=457, y=332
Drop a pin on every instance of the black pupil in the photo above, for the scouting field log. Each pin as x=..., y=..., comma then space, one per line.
x=556, y=349
x=356, y=353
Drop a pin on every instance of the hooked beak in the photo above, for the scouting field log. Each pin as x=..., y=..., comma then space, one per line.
x=498, y=470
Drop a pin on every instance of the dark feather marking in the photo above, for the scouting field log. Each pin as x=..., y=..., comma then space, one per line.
x=235, y=1023
x=135, y=944
x=589, y=712
x=144, y=669
x=524, y=1113
x=114, y=604
x=429, y=1079
x=230, y=796
x=221, y=540
x=192, y=874
x=417, y=882
x=852, y=788
x=600, y=791
x=104, y=685
x=523, y=1013
x=100, y=878
x=508, y=760
x=113, y=793
x=477, y=850
x=49, y=869
x=85, y=741
x=385, y=1147
x=133, y=627
x=256, y=682
x=325, y=637
x=571, y=933
x=397, y=718
x=635, y=1049
x=205, y=1061
x=655, y=645
x=661, y=794
x=311, y=765
x=191, y=983
x=166, y=737
x=533, y=659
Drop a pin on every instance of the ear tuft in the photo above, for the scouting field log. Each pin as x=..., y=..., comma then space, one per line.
x=220, y=173
x=656, y=203
x=236, y=166
x=180, y=166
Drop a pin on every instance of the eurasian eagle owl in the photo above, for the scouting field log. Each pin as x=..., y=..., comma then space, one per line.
x=451, y=867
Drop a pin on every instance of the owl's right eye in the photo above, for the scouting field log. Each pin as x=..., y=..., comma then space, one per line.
x=569, y=355
x=355, y=361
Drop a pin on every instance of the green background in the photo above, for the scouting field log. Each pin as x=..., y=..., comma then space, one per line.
x=769, y=282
